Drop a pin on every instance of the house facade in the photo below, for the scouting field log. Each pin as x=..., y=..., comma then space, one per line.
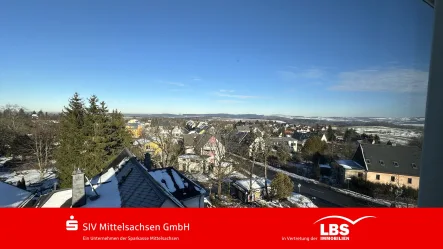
x=397, y=165
x=289, y=142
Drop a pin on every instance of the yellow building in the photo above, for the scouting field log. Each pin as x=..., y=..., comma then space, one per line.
x=136, y=129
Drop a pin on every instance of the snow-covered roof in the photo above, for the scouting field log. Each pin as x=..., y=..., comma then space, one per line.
x=169, y=179
x=11, y=196
x=189, y=156
x=106, y=187
x=349, y=164
x=257, y=183
x=325, y=166
x=58, y=198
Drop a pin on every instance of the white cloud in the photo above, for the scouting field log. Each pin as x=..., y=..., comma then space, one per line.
x=388, y=80
x=196, y=79
x=226, y=91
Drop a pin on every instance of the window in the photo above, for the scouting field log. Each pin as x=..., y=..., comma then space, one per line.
x=392, y=178
x=382, y=163
x=368, y=161
x=395, y=164
x=409, y=180
x=414, y=166
x=360, y=175
x=377, y=177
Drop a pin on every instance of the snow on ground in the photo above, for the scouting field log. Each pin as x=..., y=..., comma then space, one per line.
x=12, y=196
x=3, y=160
x=301, y=201
x=400, y=136
x=32, y=178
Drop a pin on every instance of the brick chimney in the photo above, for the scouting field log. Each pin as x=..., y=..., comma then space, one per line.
x=78, y=189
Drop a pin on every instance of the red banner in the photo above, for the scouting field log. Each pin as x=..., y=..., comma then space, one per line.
x=284, y=228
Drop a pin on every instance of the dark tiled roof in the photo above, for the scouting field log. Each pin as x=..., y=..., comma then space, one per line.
x=138, y=189
x=189, y=190
x=190, y=139
x=390, y=159
x=202, y=140
x=301, y=136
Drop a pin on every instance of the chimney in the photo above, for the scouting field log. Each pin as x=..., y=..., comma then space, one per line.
x=78, y=189
x=147, y=162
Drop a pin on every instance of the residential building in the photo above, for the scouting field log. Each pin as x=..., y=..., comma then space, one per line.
x=348, y=169
x=191, y=163
x=301, y=137
x=398, y=165
x=289, y=142
x=209, y=145
x=135, y=127
x=128, y=183
x=243, y=190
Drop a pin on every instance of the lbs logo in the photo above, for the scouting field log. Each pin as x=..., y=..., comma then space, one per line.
x=333, y=231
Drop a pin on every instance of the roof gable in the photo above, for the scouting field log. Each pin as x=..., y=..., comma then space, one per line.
x=401, y=160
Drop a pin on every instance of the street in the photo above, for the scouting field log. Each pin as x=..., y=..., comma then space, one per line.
x=324, y=197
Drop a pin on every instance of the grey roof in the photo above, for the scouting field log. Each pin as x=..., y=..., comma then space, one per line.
x=390, y=159
x=138, y=189
x=301, y=136
x=202, y=140
x=190, y=139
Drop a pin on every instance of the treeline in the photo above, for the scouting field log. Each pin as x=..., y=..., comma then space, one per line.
x=90, y=137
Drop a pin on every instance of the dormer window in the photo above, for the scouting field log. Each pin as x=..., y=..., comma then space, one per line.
x=382, y=163
x=414, y=166
x=395, y=164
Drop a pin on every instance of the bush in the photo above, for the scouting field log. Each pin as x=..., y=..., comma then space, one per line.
x=376, y=189
x=282, y=186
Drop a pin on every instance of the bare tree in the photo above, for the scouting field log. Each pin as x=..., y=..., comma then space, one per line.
x=170, y=147
x=43, y=137
x=223, y=164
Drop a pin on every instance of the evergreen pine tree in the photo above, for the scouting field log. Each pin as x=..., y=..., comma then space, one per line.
x=71, y=153
x=94, y=131
x=40, y=114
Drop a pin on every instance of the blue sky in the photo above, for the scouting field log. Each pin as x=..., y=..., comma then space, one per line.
x=311, y=58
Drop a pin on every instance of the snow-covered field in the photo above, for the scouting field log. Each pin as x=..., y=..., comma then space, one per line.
x=395, y=135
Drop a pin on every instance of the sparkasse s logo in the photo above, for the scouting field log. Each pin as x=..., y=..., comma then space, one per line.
x=334, y=231
x=71, y=224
